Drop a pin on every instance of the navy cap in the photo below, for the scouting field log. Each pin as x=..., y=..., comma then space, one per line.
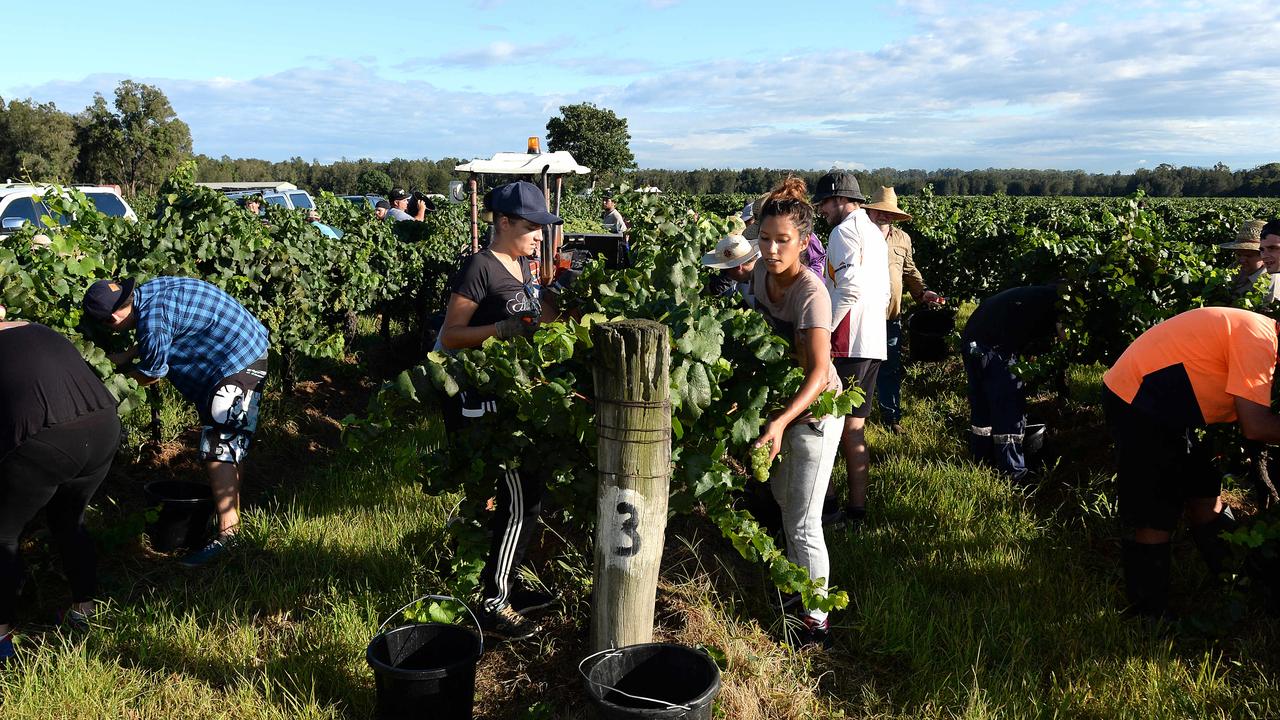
x=522, y=199
x=399, y=194
x=105, y=297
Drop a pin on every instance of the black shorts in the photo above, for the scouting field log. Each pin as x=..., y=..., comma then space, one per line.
x=229, y=415
x=1159, y=467
x=861, y=372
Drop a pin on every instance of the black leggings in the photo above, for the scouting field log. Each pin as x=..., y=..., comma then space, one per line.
x=59, y=469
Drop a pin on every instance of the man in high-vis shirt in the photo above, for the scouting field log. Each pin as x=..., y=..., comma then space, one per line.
x=1206, y=366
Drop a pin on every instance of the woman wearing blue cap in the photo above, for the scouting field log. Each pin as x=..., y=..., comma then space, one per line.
x=496, y=294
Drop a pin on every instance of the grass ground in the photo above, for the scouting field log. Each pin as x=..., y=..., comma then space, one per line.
x=970, y=599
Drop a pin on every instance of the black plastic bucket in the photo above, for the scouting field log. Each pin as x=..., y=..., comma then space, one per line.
x=928, y=328
x=185, y=518
x=425, y=670
x=654, y=680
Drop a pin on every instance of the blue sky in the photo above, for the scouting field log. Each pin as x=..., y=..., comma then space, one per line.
x=907, y=84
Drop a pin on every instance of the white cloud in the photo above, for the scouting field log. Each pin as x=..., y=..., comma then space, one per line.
x=978, y=89
x=499, y=52
x=553, y=52
x=974, y=86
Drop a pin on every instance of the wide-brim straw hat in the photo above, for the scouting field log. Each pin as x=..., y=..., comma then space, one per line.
x=886, y=201
x=1248, y=237
x=731, y=252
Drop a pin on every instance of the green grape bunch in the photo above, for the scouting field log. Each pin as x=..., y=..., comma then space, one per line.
x=760, y=463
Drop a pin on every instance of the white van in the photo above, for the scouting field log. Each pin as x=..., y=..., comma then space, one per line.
x=20, y=203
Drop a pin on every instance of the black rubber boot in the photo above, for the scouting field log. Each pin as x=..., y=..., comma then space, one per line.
x=1208, y=540
x=1146, y=578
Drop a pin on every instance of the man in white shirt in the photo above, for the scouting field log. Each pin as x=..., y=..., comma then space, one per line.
x=399, y=204
x=857, y=276
x=611, y=218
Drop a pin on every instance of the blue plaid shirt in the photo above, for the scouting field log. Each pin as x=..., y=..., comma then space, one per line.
x=194, y=334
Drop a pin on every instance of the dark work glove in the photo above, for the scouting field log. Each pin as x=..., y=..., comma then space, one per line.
x=523, y=324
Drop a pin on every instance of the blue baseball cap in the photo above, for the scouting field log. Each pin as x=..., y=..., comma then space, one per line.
x=522, y=199
x=106, y=296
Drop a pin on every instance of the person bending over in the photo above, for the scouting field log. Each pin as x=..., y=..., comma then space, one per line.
x=215, y=354
x=1206, y=366
x=58, y=434
x=1006, y=325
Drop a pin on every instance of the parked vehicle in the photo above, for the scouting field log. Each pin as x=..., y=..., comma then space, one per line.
x=293, y=199
x=21, y=203
x=296, y=199
x=366, y=201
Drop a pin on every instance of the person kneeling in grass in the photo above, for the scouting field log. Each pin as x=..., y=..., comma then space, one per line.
x=215, y=353
x=58, y=435
x=797, y=305
x=1205, y=366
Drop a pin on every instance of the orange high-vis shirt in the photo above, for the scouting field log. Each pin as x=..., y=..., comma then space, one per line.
x=1189, y=369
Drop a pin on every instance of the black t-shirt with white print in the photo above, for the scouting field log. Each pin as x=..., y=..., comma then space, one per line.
x=485, y=281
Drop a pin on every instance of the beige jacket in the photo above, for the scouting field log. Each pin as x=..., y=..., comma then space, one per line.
x=902, y=269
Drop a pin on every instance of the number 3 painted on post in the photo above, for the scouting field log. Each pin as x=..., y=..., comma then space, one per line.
x=628, y=530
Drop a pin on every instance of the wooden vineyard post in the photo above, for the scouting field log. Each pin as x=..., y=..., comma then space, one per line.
x=633, y=420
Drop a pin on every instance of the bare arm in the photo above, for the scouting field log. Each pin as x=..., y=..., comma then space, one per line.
x=817, y=354
x=1257, y=422
x=456, y=334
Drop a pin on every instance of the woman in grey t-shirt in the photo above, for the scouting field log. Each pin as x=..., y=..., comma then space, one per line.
x=798, y=306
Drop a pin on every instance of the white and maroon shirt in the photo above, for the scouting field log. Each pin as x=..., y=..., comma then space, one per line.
x=857, y=276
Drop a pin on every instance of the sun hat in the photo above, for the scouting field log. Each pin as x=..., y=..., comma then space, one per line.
x=522, y=199
x=886, y=201
x=838, y=183
x=1248, y=237
x=106, y=296
x=731, y=252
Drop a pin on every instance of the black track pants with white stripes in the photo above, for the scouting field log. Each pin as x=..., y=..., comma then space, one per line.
x=518, y=506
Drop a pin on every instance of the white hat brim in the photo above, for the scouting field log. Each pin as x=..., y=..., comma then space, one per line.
x=713, y=260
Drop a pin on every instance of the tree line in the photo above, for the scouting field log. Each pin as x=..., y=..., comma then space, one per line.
x=137, y=140
x=1162, y=181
